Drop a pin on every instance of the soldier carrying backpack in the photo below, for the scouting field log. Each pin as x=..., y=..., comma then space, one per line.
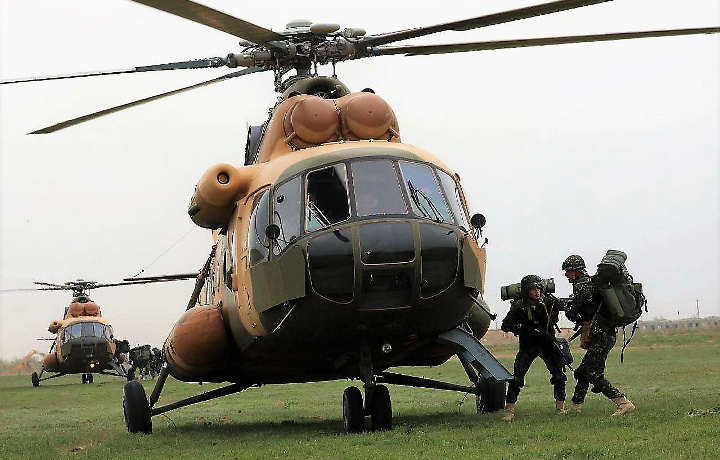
x=587, y=310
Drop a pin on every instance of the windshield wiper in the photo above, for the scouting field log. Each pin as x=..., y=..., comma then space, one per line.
x=415, y=196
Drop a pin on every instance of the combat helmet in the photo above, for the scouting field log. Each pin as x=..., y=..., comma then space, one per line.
x=528, y=282
x=573, y=262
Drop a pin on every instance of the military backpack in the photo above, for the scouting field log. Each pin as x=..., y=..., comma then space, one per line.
x=623, y=297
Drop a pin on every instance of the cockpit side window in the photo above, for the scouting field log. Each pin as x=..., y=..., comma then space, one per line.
x=377, y=191
x=452, y=191
x=424, y=192
x=326, y=197
x=258, y=242
x=286, y=212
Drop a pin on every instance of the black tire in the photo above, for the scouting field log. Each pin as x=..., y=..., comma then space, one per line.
x=353, y=414
x=35, y=379
x=130, y=375
x=381, y=409
x=84, y=379
x=136, y=409
x=89, y=378
x=492, y=395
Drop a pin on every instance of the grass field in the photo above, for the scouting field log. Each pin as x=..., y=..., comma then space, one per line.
x=674, y=379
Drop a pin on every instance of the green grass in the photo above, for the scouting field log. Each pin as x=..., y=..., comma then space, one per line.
x=673, y=378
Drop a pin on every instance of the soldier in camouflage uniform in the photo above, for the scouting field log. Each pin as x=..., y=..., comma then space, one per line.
x=533, y=319
x=586, y=306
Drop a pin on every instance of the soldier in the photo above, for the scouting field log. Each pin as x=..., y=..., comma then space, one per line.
x=533, y=318
x=586, y=308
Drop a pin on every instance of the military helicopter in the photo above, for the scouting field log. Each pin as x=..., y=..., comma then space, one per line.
x=339, y=251
x=84, y=341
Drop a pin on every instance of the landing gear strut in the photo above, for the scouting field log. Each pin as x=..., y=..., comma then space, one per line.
x=377, y=400
x=377, y=406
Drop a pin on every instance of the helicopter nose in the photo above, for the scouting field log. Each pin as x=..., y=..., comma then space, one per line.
x=392, y=263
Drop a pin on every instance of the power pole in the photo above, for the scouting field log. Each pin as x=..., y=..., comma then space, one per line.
x=697, y=308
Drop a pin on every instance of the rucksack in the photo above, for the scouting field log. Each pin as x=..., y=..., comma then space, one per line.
x=623, y=297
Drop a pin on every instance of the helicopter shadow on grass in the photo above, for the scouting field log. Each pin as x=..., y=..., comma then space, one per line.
x=223, y=427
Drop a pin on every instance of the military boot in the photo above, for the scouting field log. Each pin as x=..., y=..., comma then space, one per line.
x=624, y=406
x=560, y=407
x=509, y=412
x=575, y=408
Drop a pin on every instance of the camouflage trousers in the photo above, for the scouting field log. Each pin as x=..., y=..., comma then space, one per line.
x=592, y=368
x=524, y=358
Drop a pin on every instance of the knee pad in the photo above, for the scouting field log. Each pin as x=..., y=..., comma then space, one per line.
x=557, y=379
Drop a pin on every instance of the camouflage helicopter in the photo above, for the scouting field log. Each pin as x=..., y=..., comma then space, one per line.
x=85, y=342
x=339, y=251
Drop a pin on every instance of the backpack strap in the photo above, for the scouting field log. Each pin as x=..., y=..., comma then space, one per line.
x=626, y=342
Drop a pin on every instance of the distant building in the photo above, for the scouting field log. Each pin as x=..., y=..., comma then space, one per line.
x=710, y=322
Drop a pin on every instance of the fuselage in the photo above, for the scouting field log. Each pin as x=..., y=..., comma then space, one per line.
x=83, y=345
x=371, y=257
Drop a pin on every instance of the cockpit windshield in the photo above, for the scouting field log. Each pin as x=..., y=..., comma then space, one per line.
x=377, y=191
x=363, y=188
x=86, y=329
x=424, y=192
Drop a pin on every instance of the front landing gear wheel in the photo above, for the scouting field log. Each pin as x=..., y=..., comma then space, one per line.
x=84, y=379
x=130, y=376
x=492, y=395
x=35, y=379
x=381, y=409
x=136, y=408
x=353, y=415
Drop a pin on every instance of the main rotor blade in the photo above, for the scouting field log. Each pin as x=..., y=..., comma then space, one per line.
x=481, y=21
x=160, y=278
x=194, y=64
x=147, y=280
x=58, y=286
x=92, y=116
x=216, y=19
x=494, y=45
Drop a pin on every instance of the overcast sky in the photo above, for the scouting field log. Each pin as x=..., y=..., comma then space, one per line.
x=565, y=149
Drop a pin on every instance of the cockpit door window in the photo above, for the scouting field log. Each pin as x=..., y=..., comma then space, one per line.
x=326, y=197
x=286, y=213
x=258, y=242
x=424, y=192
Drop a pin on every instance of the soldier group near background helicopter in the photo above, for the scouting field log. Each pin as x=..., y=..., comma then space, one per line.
x=146, y=361
x=533, y=318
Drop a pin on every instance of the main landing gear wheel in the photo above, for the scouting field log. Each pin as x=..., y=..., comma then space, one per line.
x=84, y=379
x=381, y=409
x=89, y=378
x=492, y=395
x=353, y=415
x=35, y=379
x=136, y=408
x=130, y=375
